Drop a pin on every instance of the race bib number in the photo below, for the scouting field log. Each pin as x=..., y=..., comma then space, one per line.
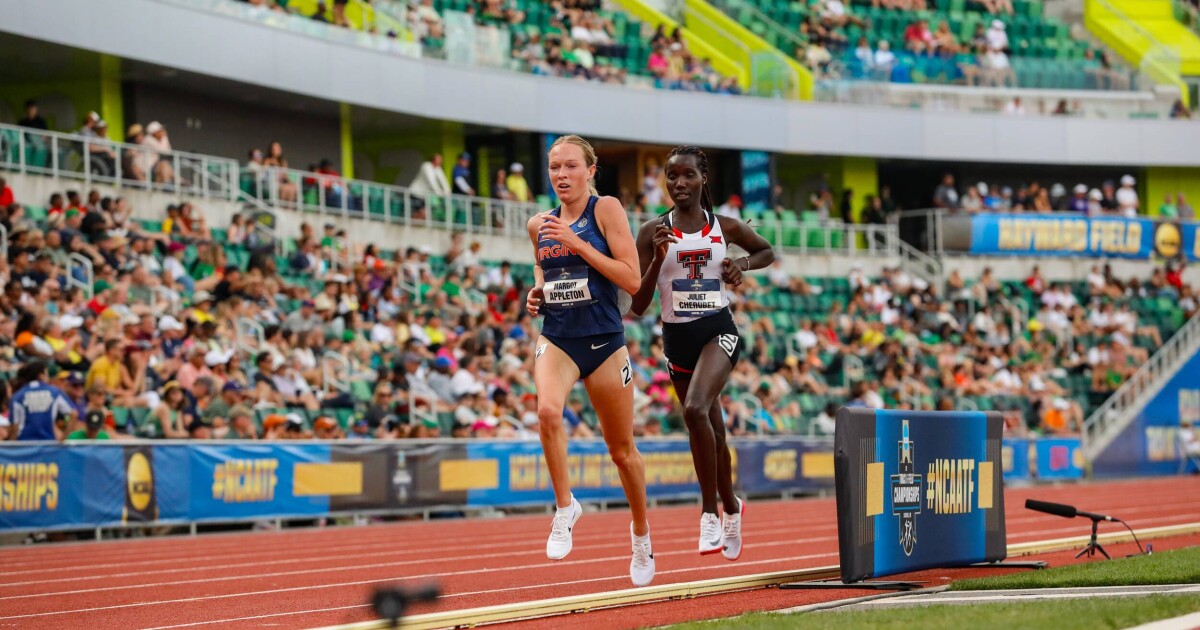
x=568, y=288
x=696, y=298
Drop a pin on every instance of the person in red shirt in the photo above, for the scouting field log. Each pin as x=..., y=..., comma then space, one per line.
x=918, y=39
x=6, y=194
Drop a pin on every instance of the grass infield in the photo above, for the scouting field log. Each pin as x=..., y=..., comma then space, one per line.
x=1092, y=614
x=1179, y=566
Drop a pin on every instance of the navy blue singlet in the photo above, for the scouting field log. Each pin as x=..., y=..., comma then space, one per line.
x=579, y=301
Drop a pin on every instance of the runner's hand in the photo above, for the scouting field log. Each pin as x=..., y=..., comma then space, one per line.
x=731, y=272
x=533, y=302
x=557, y=229
x=663, y=237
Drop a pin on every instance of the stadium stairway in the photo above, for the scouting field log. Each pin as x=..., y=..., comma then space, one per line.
x=1147, y=35
x=1121, y=409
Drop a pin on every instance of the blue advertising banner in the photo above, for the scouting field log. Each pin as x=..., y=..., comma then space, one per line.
x=44, y=486
x=756, y=180
x=251, y=480
x=1082, y=236
x=1015, y=454
x=76, y=486
x=917, y=490
x=1151, y=444
x=514, y=473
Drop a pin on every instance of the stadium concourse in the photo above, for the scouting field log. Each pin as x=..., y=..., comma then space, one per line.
x=307, y=578
x=167, y=293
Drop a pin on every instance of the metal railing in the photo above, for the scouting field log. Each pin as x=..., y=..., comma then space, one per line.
x=330, y=378
x=754, y=408
x=1107, y=422
x=332, y=195
x=422, y=403
x=771, y=74
x=96, y=160
x=920, y=264
x=89, y=273
x=243, y=327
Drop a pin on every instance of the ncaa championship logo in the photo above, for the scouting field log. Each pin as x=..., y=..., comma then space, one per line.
x=906, y=492
x=140, y=503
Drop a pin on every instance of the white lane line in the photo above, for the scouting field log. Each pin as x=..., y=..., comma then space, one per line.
x=513, y=588
x=387, y=541
x=385, y=531
x=384, y=535
x=381, y=565
x=214, y=579
x=293, y=589
x=392, y=545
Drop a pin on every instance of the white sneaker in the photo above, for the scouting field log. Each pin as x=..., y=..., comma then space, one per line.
x=710, y=534
x=732, y=526
x=559, y=544
x=641, y=568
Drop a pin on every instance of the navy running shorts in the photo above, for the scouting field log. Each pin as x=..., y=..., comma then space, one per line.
x=589, y=352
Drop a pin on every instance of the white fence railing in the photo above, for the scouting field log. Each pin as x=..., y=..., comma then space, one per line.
x=96, y=160
x=1107, y=422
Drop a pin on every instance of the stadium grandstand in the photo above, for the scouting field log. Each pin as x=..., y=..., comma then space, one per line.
x=231, y=228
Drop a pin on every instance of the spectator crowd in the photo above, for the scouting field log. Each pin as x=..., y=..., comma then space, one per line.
x=187, y=330
x=1111, y=198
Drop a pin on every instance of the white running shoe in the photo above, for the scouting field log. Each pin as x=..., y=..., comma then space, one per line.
x=732, y=524
x=710, y=534
x=559, y=544
x=641, y=568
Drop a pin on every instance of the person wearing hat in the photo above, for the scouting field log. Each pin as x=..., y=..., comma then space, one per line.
x=198, y=429
x=93, y=428
x=326, y=428
x=516, y=184
x=103, y=158
x=137, y=163
x=241, y=424
x=305, y=318
x=1127, y=197
x=360, y=430
x=462, y=174
x=169, y=418
x=218, y=410
x=293, y=428
x=157, y=145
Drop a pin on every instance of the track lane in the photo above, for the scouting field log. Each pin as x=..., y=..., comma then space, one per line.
x=599, y=563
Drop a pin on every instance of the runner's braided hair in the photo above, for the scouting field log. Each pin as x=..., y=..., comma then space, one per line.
x=702, y=164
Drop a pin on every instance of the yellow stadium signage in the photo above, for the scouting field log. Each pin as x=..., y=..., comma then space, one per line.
x=31, y=487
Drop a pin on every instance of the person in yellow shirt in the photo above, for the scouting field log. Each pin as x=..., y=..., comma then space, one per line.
x=106, y=370
x=517, y=186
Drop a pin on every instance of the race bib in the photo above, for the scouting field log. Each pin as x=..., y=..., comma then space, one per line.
x=568, y=288
x=696, y=298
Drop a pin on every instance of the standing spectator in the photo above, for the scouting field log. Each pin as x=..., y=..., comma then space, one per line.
x=1185, y=209
x=1167, y=210
x=1127, y=197
x=517, y=186
x=652, y=187
x=287, y=191
x=1079, y=201
x=33, y=119
x=946, y=195
x=429, y=182
x=500, y=186
x=37, y=407
x=997, y=37
x=462, y=175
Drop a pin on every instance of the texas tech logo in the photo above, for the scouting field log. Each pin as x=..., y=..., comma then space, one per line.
x=694, y=260
x=906, y=492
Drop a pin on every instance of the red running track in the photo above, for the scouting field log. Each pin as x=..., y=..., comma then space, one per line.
x=314, y=577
